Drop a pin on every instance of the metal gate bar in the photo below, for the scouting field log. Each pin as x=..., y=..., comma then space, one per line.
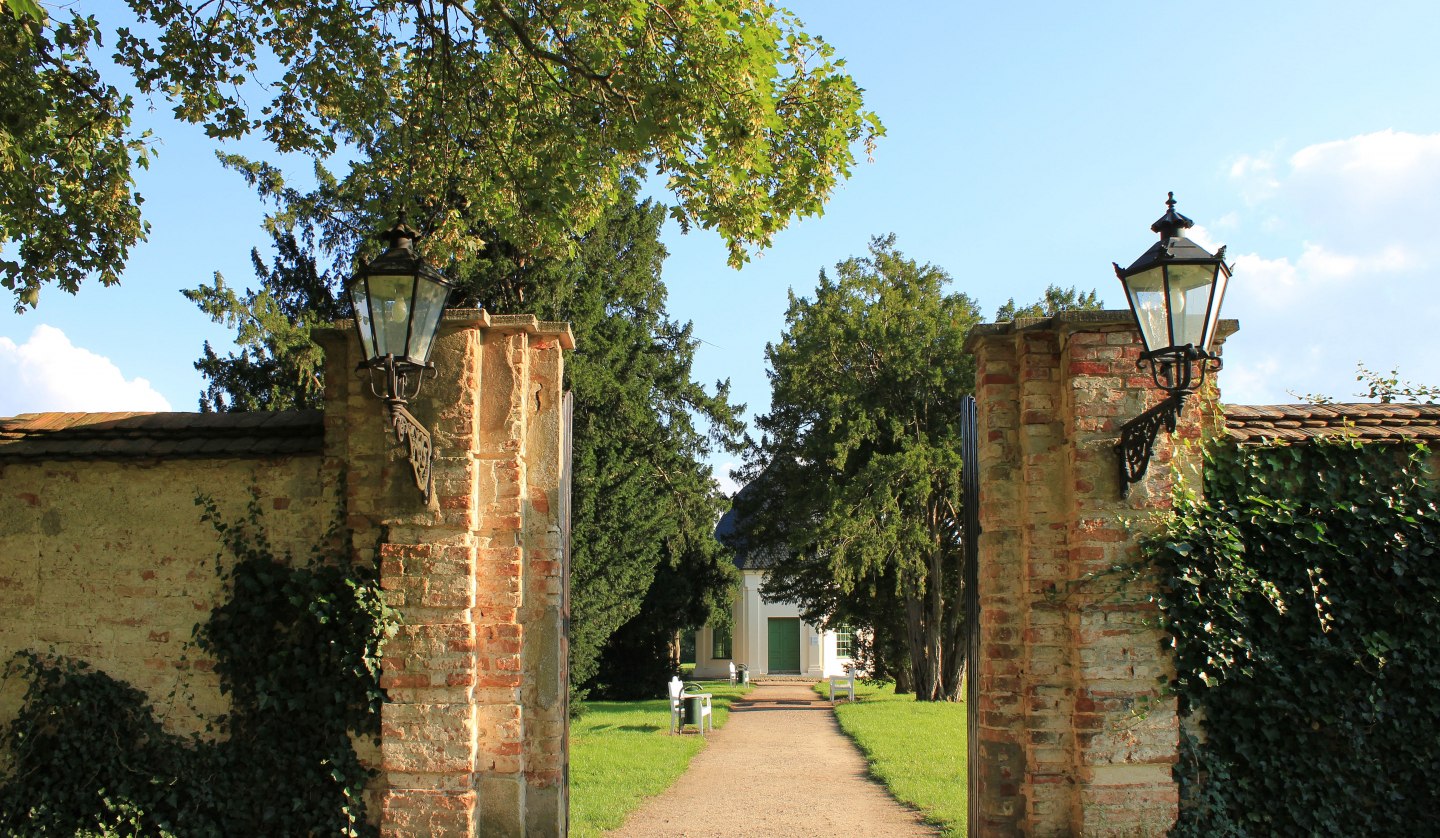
x=969, y=541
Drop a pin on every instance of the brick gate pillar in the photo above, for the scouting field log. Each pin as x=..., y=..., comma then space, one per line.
x=473, y=729
x=1076, y=736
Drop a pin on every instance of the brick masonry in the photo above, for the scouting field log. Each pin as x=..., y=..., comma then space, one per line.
x=473, y=731
x=1075, y=735
x=107, y=560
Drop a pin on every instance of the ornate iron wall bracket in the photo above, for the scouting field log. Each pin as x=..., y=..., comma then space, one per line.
x=422, y=452
x=1137, y=438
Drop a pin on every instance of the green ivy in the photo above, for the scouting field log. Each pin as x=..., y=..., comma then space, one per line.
x=296, y=646
x=1302, y=595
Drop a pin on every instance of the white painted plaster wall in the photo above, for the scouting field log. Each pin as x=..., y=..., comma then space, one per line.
x=751, y=637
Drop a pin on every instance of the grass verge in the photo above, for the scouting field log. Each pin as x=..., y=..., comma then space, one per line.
x=916, y=748
x=621, y=753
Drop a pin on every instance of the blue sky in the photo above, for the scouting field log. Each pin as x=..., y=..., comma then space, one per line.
x=1027, y=145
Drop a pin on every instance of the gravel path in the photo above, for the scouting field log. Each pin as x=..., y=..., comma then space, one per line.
x=779, y=767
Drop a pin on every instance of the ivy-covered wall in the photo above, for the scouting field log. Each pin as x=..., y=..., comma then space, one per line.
x=289, y=749
x=1303, y=598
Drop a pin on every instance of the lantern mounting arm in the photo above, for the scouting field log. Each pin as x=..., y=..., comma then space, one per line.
x=395, y=388
x=1137, y=438
x=1174, y=371
x=422, y=451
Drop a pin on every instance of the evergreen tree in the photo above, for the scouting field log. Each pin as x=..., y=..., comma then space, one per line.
x=1056, y=300
x=278, y=366
x=692, y=585
x=643, y=502
x=862, y=448
x=858, y=468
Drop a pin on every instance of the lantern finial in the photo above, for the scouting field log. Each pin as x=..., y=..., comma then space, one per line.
x=1171, y=223
x=401, y=236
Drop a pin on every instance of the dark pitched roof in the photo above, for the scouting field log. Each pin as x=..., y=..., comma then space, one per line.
x=56, y=436
x=728, y=531
x=747, y=556
x=1304, y=422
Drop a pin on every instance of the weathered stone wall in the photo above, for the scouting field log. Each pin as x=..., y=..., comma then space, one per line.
x=1076, y=738
x=107, y=561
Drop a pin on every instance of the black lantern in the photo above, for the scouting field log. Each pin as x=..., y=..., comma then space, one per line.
x=398, y=301
x=1174, y=290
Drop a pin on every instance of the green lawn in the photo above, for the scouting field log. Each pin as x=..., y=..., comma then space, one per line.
x=916, y=748
x=621, y=752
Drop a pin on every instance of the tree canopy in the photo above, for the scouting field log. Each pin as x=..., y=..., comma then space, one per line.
x=278, y=365
x=512, y=121
x=68, y=208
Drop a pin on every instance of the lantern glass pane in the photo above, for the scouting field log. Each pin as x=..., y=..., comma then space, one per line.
x=1190, y=302
x=430, y=297
x=1147, y=299
x=390, y=306
x=359, y=300
x=1222, y=279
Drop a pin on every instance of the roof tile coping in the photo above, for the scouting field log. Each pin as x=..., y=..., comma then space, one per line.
x=1366, y=421
x=53, y=436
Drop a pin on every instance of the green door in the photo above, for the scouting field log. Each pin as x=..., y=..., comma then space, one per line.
x=784, y=645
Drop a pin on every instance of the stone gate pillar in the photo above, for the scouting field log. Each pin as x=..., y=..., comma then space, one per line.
x=1076, y=736
x=473, y=738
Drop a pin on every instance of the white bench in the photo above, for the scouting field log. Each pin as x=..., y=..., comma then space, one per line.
x=844, y=683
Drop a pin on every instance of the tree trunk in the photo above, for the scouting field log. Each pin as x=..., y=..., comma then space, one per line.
x=918, y=630
x=934, y=618
x=903, y=683
x=889, y=658
x=897, y=659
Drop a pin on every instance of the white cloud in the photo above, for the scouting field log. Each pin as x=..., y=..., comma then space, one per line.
x=1256, y=175
x=1281, y=282
x=1321, y=263
x=1248, y=382
x=1201, y=235
x=1365, y=193
x=1273, y=282
x=1383, y=163
x=1334, y=269
x=49, y=373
